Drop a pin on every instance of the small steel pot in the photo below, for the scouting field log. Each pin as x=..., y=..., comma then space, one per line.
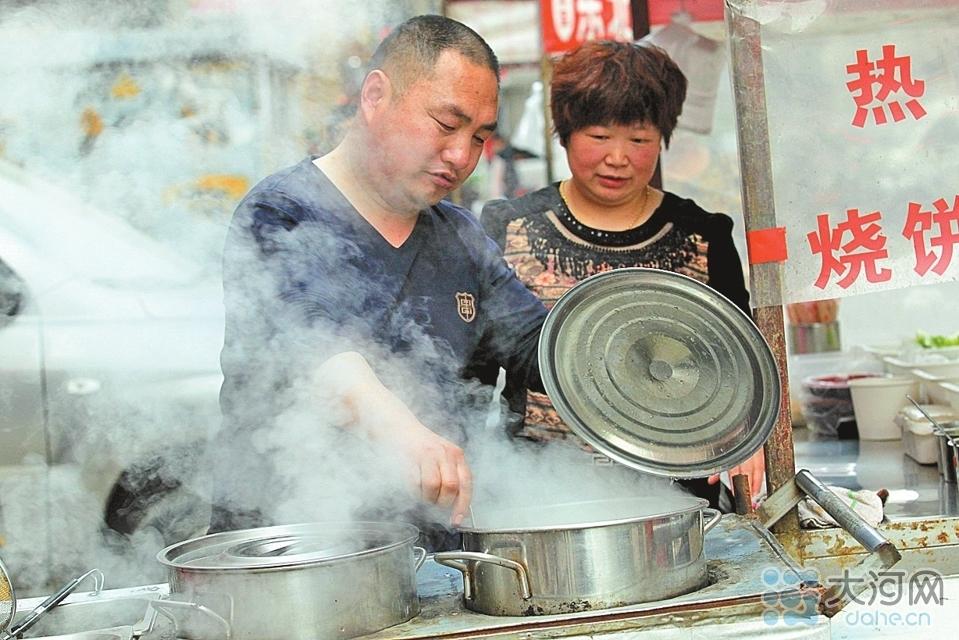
x=301, y=582
x=947, y=438
x=567, y=566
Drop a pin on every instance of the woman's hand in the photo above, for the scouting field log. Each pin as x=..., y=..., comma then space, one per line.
x=754, y=467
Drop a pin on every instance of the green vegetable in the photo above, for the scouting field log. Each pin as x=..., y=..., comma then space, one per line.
x=928, y=341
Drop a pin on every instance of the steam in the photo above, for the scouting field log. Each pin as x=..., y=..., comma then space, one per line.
x=177, y=113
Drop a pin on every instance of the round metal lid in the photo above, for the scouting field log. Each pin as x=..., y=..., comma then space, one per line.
x=285, y=546
x=659, y=372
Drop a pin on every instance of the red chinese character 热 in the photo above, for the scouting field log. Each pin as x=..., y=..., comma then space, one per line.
x=919, y=223
x=892, y=74
x=862, y=252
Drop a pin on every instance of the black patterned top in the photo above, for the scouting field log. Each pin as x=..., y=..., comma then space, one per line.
x=552, y=251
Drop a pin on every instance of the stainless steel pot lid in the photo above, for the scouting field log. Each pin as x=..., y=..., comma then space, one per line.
x=659, y=372
x=286, y=546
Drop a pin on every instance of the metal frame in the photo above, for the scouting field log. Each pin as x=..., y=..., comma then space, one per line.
x=759, y=212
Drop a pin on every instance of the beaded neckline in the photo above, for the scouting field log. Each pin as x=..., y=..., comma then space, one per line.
x=600, y=236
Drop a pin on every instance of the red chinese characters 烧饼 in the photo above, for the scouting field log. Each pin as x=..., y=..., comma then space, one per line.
x=862, y=252
x=934, y=252
x=878, y=82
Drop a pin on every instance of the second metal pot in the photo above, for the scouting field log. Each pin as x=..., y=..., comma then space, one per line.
x=592, y=563
x=301, y=582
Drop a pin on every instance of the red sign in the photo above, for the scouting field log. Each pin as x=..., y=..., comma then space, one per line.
x=569, y=23
x=662, y=11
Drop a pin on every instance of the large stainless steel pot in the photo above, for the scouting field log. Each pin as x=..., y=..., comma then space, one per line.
x=301, y=582
x=583, y=556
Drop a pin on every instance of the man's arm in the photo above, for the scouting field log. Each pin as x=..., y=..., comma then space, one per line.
x=288, y=307
x=438, y=466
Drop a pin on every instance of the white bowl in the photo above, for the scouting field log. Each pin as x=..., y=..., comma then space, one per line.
x=876, y=401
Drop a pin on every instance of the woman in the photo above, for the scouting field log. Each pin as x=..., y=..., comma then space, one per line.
x=614, y=105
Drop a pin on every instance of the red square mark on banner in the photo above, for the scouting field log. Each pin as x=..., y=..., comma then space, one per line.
x=766, y=245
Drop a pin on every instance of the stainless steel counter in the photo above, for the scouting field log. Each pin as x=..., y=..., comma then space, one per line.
x=915, y=490
x=741, y=562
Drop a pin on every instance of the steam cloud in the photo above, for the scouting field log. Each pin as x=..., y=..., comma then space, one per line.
x=52, y=517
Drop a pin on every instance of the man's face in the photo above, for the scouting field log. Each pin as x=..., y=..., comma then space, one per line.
x=427, y=141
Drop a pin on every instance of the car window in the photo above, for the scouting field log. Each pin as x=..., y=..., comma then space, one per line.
x=11, y=292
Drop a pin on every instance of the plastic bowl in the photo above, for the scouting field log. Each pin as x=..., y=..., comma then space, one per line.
x=876, y=401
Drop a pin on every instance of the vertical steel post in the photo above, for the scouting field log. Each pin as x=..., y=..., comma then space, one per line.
x=759, y=213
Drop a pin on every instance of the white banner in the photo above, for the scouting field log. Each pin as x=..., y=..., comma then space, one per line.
x=863, y=109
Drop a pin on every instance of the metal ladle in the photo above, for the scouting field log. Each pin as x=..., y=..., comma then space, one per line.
x=51, y=602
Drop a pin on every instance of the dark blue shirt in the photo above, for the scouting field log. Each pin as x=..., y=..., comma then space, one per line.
x=306, y=277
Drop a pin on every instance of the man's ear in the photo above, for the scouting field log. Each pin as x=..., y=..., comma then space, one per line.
x=375, y=93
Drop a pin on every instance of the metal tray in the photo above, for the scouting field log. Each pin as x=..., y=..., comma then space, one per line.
x=660, y=372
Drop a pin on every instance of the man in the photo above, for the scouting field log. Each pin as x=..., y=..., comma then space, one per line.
x=346, y=271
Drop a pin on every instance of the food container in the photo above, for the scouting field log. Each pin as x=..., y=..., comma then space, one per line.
x=827, y=405
x=583, y=556
x=876, y=401
x=950, y=391
x=930, y=385
x=814, y=337
x=919, y=439
x=301, y=582
x=932, y=363
x=919, y=442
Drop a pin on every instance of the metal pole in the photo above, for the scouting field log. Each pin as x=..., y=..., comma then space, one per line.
x=759, y=213
x=639, y=11
x=546, y=75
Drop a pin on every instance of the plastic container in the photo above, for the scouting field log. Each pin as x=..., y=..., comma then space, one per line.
x=919, y=442
x=918, y=436
x=930, y=387
x=934, y=362
x=950, y=393
x=814, y=338
x=827, y=405
x=876, y=401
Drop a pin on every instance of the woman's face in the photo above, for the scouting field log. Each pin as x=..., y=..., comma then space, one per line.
x=612, y=164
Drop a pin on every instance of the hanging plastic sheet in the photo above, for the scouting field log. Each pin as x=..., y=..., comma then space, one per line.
x=862, y=107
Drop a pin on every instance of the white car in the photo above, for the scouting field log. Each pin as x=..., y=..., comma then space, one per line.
x=109, y=380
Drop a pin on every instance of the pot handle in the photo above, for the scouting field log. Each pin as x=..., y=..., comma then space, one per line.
x=169, y=609
x=714, y=517
x=418, y=562
x=461, y=560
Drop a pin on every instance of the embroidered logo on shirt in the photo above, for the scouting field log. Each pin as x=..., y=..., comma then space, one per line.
x=466, y=306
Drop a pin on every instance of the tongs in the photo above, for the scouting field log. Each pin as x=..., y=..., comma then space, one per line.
x=51, y=602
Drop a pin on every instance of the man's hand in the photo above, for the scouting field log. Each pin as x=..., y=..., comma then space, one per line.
x=755, y=468
x=443, y=476
x=437, y=466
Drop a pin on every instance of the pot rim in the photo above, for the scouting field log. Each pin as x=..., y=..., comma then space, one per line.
x=698, y=504
x=170, y=556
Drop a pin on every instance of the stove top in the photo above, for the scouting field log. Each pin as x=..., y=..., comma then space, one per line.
x=750, y=577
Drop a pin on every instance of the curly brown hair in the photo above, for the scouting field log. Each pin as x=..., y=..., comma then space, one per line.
x=604, y=82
